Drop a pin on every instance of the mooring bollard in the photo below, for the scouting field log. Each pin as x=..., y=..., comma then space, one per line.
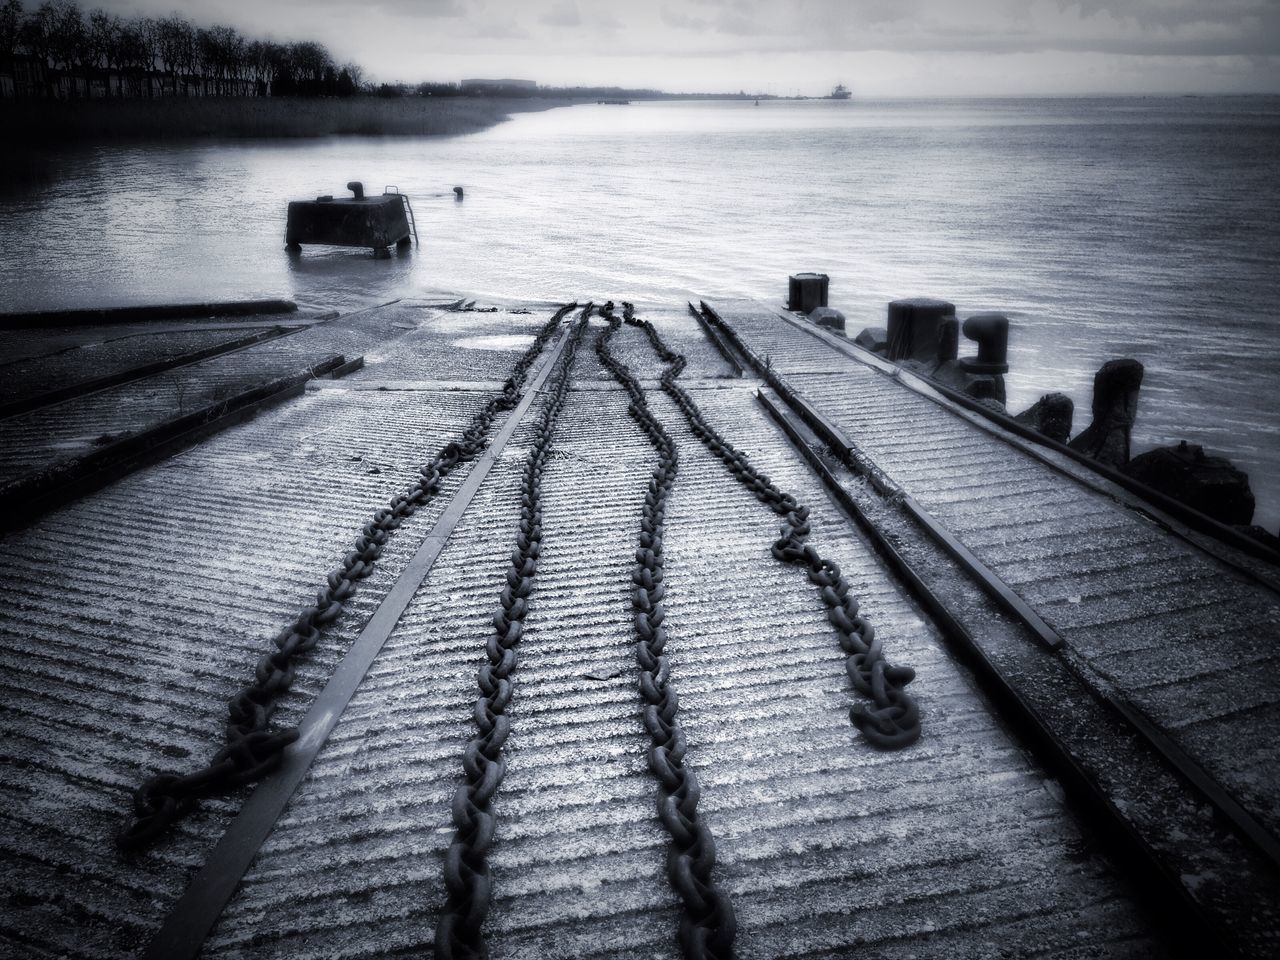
x=948, y=340
x=991, y=332
x=457, y=193
x=807, y=291
x=913, y=327
x=1115, y=406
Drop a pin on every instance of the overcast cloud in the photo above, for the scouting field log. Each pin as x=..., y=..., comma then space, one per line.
x=878, y=47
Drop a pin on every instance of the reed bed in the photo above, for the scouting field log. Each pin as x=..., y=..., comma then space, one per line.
x=47, y=121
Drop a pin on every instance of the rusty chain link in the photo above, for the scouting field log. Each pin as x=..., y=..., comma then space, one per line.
x=892, y=719
x=468, y=886
x=707, y=923
x=252, y=749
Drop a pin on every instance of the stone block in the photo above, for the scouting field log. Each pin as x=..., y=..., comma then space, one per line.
x=377, y=222
x=1212, y=485
x=828, y=317
x=874, y=339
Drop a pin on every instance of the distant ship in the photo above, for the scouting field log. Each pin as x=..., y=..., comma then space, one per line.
x=841, y=92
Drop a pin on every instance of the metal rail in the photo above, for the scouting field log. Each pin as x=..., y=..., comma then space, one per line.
x=148, y=312
x=1241, y=821
x=717, y=341
x=26, y=499
x=188, y=924
x=1027, y=439
x=83, y=388
x=1175, y=902
x=887, y=487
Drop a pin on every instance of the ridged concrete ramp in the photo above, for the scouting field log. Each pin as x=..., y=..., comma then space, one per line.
x=1194, y=643
x=136, y=612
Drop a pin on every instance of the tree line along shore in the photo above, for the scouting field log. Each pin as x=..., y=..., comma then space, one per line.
x=70, y=76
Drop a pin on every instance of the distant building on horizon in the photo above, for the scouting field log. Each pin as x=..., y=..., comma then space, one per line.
x=516, y=84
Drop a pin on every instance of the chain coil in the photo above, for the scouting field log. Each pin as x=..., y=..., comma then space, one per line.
x=707, y=923
x=252, y=749
x=892, y=719
x=467, y=881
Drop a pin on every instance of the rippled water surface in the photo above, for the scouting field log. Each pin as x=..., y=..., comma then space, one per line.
x=1104, y=228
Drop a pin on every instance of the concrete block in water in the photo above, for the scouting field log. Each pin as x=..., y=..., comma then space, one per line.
x=828, y=317
x=1212, y=485
x=807, y=291
x=1051, y=416
x=1115, y=407
x=875, y=339
x=915, y=327
x=356, y=221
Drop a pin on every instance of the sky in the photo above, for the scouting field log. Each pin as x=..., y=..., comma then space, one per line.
x=877, y=48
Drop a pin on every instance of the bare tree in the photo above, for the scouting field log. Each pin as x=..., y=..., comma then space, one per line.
x=146, y=57
x=67, y=39
x=10, y=29
x=102, y=42
x=36, y=36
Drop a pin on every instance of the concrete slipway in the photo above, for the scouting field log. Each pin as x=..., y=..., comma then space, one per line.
x=136, y=611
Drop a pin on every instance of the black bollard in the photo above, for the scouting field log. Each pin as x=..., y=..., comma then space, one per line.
x=1115, y=407
x=356, y=187
x=948, y=339
x=913, y=327
x=807, y=291
x=457, y=193
x=991, y=332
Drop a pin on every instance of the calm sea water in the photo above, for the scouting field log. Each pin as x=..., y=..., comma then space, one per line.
x=1147, y=228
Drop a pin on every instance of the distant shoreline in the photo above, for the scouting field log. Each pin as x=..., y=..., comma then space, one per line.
x=34, y=125
x=45, y=123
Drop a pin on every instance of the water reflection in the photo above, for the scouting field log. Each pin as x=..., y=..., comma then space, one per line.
x=318, y=268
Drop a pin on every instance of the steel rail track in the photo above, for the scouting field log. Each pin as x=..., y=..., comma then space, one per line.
x=1033, y=443
x=83, y=388
x=188, y=924
x=791, y=410
x=26, y=499
x=1244, y=823
x=1196, y=926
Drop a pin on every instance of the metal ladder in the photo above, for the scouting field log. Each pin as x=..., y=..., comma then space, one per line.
x=393, y=190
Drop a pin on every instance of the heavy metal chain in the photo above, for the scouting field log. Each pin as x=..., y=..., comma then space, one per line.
x=707, y=923
x=466, y=864
x=892, y=719
x=252, y=749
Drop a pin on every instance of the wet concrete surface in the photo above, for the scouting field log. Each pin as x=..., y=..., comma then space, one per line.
x=138, y=610
x=1106, y=577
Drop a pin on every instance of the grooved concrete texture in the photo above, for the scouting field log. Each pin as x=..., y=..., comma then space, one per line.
x=1193, y=644
x=824, y=842
x=99, y=353
x=40, y=439
x=140, y=610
